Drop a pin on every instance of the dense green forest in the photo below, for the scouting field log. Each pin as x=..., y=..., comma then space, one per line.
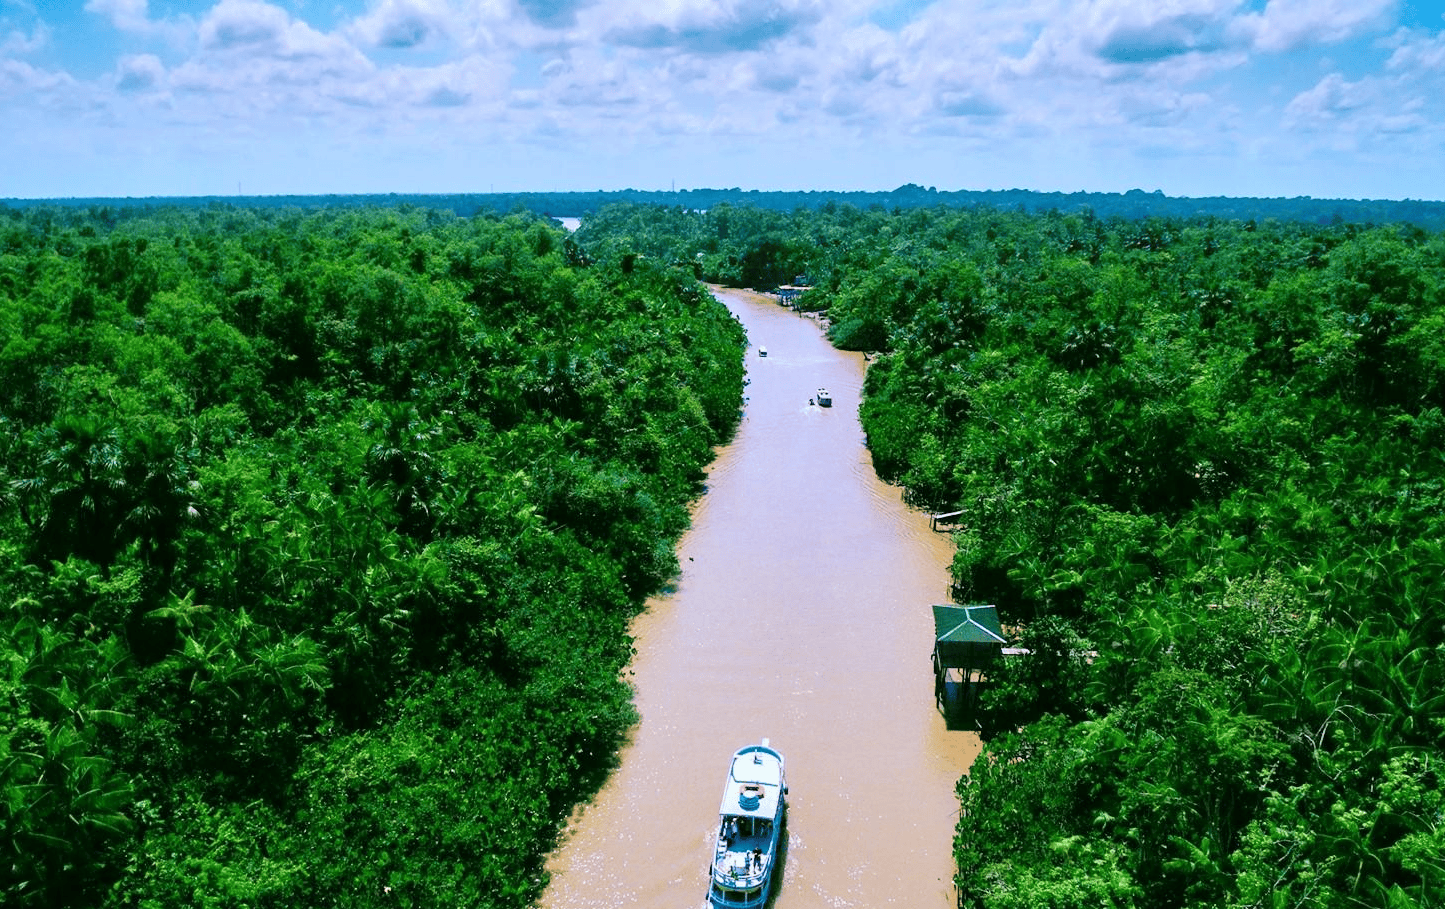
x=321, y=533
x=1134, y=204
x=1215, y=456
x=1202, y=469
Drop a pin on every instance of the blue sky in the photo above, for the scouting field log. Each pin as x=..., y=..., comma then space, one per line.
x=1323, y=98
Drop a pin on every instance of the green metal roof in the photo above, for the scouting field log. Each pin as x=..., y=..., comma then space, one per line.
x=966, y=635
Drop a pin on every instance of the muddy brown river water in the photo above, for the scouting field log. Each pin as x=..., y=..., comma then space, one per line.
x=801, y=615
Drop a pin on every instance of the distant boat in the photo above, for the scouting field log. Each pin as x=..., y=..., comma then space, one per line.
x=754, y=809
x=762, y=351
x=824, y=399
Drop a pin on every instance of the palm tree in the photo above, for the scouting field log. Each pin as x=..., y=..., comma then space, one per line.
x=61, y=803
x=163, y=492
x=73, y=501
x=401, y=459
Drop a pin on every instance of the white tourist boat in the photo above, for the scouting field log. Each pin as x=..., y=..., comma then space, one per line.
x=754, y=809
x=824, y=398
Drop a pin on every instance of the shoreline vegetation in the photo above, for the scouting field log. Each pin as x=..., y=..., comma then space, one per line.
x=323, y=529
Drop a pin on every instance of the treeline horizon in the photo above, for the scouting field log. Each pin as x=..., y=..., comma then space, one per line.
x=1133, y=204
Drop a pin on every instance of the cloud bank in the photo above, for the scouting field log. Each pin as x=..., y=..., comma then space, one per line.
x=1040, y=90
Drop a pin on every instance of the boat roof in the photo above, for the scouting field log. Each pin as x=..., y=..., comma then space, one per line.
x=759, y=770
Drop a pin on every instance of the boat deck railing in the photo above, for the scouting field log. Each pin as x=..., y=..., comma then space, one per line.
x=743, y=861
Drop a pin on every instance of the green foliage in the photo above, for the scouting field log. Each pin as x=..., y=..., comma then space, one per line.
x=1050, y=679
x=1198, y=468
x=430, y=809
x=64, y=805
x=321, y=535
x=1042, y=849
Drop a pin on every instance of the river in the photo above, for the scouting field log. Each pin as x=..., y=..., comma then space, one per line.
x=802, y=615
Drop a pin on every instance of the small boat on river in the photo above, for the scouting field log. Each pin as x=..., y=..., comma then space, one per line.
x=754, y=809
x=824, y=398
x=762, y=351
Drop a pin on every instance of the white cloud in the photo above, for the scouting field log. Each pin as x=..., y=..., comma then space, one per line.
x=1059, y=68
x=1119, y=39
x=404, y=24
x=469, y=82
x=553, y=13
x=255, y=63
x=1164, y=107
x=133, y=17
x=866, y=56
x=713, y=28
x=250, y=40
x=1405, y=123
x=140, y=73
x=966, y=103
x=1149, y=33
x=1006, y=78
x=126, y=15
x=596, y=86
x=261, y=31
x=254, y=27
x=16, y=42
x=1405, y=95
x=1325, y=104
x=1418, y=55
x=21, y=79
x=1288, y=24
x=776, y=76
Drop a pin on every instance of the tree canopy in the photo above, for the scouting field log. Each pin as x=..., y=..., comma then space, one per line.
x=1133, y=204
x=1210, y=453
x=321, y=534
